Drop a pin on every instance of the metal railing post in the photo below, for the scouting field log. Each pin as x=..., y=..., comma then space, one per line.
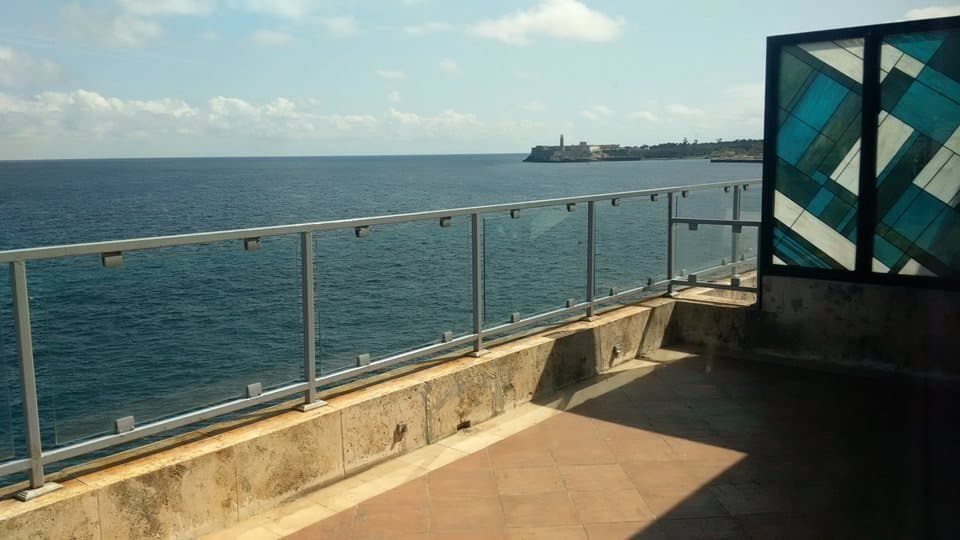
x=735, y=232
x=28, y=378
x=477, y=278
x=309, y=320
x=671, y=241
x=591, y=254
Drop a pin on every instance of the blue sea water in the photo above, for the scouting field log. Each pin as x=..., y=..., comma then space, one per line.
x=174, y=329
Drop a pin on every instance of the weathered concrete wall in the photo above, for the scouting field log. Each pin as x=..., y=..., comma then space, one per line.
x=859, y=326
x=226, y=476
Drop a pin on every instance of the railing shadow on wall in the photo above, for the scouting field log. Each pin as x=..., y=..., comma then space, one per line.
x=119, y=341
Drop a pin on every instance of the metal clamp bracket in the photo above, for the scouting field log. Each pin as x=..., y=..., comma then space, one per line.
x=254, y=389
x=111, y=259
x=123, y=425
x=251, y=244
x=363, y=359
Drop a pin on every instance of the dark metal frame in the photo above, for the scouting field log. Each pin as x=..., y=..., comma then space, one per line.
x=866, y=205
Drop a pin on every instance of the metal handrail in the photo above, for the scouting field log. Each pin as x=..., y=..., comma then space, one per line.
x=17, y=258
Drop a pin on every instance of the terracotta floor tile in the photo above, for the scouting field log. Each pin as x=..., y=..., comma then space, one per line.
x=750, y=498
x=640, y=530
x=414, y=492
x=592, y=452
x=662, y=476
x=527, y=480
x=573, y=532
x=477, y=534
x=462, y=483
x=701, y=529
x=375, y=520
x=692, y=449
x=610, y=506
x=697, y=503
x=511, y=454
x=594, y=478
x=539, y=510
x=641, y=446
x=453, y=514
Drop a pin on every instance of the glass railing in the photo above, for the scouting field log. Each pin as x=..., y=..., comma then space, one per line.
x=107, y=343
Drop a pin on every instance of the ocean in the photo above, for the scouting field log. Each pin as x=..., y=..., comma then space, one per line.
x=174, y=329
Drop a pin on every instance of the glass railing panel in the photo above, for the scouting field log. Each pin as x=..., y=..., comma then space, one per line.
x=534, y=262
x=631, y=244
x=168, y=331
x=714, y=203
x=751, y=201
x=702, y=250
x=390, y=289
x=8, y=365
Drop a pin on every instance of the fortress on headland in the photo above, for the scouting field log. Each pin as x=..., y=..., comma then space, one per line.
x=583, y=152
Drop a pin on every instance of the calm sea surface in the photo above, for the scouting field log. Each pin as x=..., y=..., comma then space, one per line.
x=177, y=328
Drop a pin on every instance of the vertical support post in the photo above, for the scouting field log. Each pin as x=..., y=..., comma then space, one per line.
x=735, y=233
x=477, y=278
x=671, y=241
x=309, y=320
x=591, y=254
x=28, y=378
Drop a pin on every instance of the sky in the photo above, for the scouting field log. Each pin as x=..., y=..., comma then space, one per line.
x=158, y=78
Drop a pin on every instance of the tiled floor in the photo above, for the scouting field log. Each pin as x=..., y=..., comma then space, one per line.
x=697, y=449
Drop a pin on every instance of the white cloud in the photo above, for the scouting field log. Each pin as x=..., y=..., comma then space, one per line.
x=596, y=112
x=84, y=113
x=271, y=38
x=340, y=26
x=22, y=70
x=643, y=115
x=932, y=12
x=561, y=19
x=391, y=74
x=393, y=97
x=289, y=9
x=448, y=65
x=149, y=8
x=110, y=29
x=351, y=121
x=427, y=28
x=685, y=111
x=209, y=35
x=446, y=120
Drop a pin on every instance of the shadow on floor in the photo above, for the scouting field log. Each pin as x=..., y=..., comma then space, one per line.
x=699, y=448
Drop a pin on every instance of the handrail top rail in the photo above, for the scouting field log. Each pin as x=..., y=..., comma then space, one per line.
x=152, y=242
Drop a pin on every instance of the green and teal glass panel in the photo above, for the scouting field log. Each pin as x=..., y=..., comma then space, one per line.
x=820, y=97
x=918, y=156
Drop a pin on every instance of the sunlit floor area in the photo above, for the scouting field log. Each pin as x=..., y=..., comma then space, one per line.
x=696, y=448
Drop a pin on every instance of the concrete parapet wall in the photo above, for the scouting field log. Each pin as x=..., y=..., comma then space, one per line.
x=226, y=476
x=853, y=325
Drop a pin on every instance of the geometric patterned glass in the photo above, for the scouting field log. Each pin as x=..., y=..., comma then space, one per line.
x=818, y=154
x=918, y=156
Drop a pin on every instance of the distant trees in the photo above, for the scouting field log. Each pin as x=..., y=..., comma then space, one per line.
x=672, y=150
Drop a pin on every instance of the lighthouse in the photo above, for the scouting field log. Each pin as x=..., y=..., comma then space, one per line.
x=561, y=146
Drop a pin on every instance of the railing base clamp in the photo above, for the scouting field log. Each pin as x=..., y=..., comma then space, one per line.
x=478, y=354
x=30, y=494
x=304, y=407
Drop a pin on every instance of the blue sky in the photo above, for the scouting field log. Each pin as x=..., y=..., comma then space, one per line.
x=141, y=78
